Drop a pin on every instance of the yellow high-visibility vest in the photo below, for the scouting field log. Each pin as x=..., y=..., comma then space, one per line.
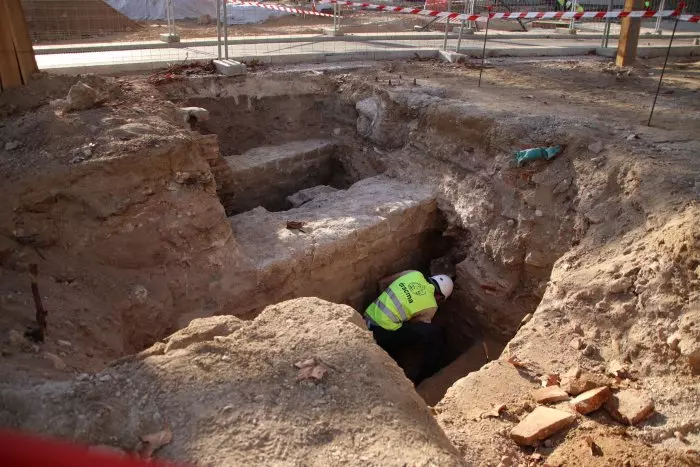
x=404, y=298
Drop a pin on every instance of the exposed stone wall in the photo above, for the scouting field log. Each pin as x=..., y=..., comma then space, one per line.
x=265, y=176
x=350, y=239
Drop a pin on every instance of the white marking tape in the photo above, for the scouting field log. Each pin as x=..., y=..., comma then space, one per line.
x=520, y=15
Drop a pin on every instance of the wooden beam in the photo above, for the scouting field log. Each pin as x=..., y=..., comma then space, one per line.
x=21, y=39
x=10, y=75
x=629, y=35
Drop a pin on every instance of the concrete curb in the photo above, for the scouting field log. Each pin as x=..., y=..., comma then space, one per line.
x=655, y=51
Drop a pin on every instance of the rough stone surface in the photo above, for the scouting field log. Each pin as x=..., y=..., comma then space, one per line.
x=81, y=97
x=266, y=175
x=549, y=394
x=630, y=406
x=307, y=194
x=575, y=385
x=542, y=423
x=251, y=403
x=190, y=115
x=589, y=401
x=349, y=240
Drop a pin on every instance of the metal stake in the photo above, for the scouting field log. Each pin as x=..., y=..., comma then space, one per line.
x=483, y=51
x=668, y=52
x=225, y=30
x=218, y=28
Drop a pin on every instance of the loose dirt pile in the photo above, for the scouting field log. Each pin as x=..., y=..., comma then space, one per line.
x=587, y=265
x=231, y=395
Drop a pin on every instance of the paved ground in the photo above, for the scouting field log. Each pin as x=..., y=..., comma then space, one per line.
x=289, y=49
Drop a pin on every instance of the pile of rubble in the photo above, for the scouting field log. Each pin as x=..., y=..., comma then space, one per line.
x=590, y=392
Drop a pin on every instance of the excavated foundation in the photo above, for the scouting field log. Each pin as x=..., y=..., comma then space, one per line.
x=312, y=216
x=318, y=202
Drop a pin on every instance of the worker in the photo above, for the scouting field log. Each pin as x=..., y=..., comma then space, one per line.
x=402, y=316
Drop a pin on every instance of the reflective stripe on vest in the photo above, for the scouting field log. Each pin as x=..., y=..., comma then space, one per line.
x=397, y=304
x=386, y=311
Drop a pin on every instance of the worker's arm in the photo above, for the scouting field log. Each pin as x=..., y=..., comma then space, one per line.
x=386, y=281
x=425, y=316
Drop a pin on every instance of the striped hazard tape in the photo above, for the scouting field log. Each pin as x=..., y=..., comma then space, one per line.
x=522, y=14
x=271, y=6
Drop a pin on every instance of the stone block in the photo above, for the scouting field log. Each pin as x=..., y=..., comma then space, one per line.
x=630, y=406
x=541, y=423
x=550, y=394
x=169, y=38
x=575, y=385
x=332, y=32
x=591, y=400
x=230, y=67
x=452, y=57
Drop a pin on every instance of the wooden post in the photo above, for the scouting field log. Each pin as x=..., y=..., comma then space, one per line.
x=21, y=39
x=10, y=75
x=629, y=35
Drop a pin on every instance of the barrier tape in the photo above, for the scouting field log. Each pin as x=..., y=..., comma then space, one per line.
x=271, y=6
x=522, y=14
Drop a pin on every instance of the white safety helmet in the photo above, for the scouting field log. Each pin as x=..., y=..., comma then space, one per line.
x=444, y=283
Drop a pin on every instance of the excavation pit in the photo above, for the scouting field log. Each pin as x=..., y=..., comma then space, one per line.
x=299, y=160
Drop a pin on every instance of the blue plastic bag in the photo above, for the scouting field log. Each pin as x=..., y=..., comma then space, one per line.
x=527, y=155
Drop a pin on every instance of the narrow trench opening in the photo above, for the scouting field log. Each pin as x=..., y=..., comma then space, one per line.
x=282, y=153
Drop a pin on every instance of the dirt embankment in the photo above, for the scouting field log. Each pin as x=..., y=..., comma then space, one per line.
x=600, y=245
x=231, y=395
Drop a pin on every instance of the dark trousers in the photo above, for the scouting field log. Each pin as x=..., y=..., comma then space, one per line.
x=427, y=337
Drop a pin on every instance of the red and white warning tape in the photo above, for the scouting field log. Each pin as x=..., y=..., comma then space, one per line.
x=272, y=6
x=520, y=15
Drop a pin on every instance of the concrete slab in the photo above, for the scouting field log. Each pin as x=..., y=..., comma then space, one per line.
x=230, y=67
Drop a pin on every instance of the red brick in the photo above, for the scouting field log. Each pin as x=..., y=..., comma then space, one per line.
x=550, y=394
x=542, y=423
x=630, y=406
x=591, y=400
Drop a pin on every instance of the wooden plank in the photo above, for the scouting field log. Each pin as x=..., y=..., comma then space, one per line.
x=10, y=75
x=629, y=35
x=21, y=39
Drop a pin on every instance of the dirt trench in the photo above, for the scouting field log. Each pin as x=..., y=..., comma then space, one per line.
x=350, y=180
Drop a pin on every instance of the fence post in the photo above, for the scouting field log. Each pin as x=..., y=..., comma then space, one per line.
x=572, y=29
x=218, y=28
x=225, y=30
x=657, y=29
x=335, y=18
x=606, y=28
x=447, y=25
